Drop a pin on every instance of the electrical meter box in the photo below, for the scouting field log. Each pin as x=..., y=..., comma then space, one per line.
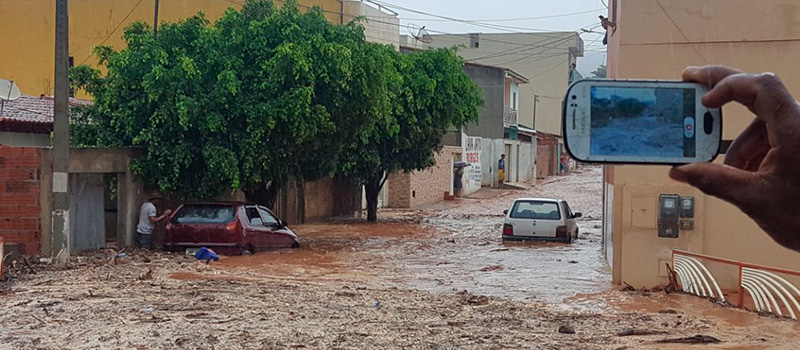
x=687, y=207
x=669, y=210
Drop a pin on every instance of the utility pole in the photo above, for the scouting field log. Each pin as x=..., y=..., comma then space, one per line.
x=155, y=20
x=535, y=99
x=60, y=199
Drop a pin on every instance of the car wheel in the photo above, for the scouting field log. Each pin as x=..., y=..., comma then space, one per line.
x=296, y=245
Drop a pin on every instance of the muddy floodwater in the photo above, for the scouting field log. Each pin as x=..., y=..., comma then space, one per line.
x=455, y=246
x=433, y=278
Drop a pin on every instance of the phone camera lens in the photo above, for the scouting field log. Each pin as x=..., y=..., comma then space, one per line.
x=708, y=123
x=574, y=97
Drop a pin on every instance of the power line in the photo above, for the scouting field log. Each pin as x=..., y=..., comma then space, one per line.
x=509, y=19
x=474, y=23
x=115, y=29
x=681, y=31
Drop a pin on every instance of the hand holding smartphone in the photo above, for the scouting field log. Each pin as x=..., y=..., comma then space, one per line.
x=640, y=122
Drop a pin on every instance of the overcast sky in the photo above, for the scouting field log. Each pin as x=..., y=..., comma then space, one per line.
x=488, y=11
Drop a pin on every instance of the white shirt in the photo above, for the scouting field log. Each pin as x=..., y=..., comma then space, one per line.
x=147, y=211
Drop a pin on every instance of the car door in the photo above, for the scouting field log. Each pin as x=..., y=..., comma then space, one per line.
x=572, y=225
x=535, y=218
x=266, y=232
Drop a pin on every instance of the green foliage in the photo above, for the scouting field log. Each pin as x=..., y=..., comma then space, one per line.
x=266, y=94
x=600, y=72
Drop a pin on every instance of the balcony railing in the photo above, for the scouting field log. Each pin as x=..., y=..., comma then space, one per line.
x=509, y=117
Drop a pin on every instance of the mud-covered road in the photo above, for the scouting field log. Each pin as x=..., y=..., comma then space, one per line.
x=438, y=278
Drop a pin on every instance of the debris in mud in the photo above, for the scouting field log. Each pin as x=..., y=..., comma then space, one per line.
x=345, y=294
x=566, y=329
x=668, y=311
x=627, y=332
x=475, y=300
x=697, y=339
x=148, y=275
x=499, y=250
x=492, y=268
x=573, y=262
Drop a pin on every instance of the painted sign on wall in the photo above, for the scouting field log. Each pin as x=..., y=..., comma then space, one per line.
x=472, y=155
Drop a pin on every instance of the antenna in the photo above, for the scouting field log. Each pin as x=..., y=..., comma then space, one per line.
x=419, y=34
x=8, y=92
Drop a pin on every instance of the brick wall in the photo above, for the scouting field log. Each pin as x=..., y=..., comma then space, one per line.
x=399, y=190
x=20, y=176
x=545, y=155
x=429, y=185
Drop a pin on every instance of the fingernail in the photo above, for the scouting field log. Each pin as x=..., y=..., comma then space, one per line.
x=692, y=68
x=677, y=174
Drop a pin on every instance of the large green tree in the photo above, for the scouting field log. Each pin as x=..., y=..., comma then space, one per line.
x=265, y=95
x=248, y=103
x=432, y=96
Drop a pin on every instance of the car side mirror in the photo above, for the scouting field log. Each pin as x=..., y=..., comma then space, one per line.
x=577, y=215
x=284, y=223
x=505, y=212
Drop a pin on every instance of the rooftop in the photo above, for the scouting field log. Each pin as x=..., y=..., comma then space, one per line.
x=33, y=109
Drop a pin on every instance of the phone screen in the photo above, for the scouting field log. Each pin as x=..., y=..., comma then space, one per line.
x=644, y=122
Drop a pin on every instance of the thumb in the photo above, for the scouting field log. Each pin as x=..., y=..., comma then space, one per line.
x=727, y=183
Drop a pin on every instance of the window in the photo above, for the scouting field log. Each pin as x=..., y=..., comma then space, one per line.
x=568, y=211
x=253, y=217
x=536, y=210
x=514, y=100
x=269, y=219
x=204, y=214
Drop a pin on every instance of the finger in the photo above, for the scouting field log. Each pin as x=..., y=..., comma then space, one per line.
x=754, y=163
x=733, y=185
x=764, y=94
x=708, y=75
x=751, y=142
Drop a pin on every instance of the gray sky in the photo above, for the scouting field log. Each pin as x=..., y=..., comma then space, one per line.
x=486, y=11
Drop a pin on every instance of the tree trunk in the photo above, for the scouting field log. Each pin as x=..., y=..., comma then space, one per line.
x=265, y=196
x=301, y=201
x=373, y=190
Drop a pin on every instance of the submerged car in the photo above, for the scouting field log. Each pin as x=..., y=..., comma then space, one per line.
x=540, y=219
x=228, y=228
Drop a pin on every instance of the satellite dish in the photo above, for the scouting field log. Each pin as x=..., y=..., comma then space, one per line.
x=9, y=91
x=419, y=33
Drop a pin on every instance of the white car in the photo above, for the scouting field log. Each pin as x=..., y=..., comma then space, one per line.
x=540, y=219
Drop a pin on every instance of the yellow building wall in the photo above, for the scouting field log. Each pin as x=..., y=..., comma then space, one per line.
x=755, y=36
x=28, y=27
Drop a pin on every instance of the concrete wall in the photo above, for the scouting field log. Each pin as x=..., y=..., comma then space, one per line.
x=324, y=199
x=28, y=28
x=130, y=189
x=16, y=139
x=493, y=83
x=647, y=44
x=544, y=58
x=491, y=149
x=473, y=154
x=20, y=204
x=380, y=26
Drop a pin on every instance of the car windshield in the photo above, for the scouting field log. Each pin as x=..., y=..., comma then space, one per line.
x=536, y=210
x=204, y=214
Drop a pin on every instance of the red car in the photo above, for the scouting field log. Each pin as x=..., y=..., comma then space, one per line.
x=228, y=228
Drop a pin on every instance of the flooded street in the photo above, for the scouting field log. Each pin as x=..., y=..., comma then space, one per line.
x=436, y=278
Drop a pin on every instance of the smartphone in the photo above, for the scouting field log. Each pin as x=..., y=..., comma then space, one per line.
x=640, y=122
